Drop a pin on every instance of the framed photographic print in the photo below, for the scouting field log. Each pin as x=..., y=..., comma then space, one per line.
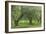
x=24, y=16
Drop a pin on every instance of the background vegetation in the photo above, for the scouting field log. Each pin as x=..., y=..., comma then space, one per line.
x=25, y=16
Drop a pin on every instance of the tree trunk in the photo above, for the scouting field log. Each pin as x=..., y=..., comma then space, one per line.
x=16, y=23
x=30, y=21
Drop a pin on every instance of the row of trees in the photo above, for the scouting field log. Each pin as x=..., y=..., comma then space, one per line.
x=30, y=12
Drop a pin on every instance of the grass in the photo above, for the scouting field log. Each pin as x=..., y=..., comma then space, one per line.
x=25, y=24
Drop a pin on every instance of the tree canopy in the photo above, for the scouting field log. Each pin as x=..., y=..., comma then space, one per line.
x=25, y=12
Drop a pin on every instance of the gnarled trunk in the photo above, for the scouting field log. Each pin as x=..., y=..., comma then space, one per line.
x=30, y=21
x=16, y=23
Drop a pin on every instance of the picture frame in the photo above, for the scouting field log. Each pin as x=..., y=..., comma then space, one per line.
x=8, y=8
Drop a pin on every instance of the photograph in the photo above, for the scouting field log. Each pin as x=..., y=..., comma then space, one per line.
x=24, y=16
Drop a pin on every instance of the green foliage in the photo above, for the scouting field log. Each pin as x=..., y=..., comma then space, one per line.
x=25, y=15
x=16, y=12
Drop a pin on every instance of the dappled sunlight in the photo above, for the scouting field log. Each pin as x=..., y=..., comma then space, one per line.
x=26, y=16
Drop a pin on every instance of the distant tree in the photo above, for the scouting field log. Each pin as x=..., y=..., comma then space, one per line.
x=16, y=12
x=32, y=12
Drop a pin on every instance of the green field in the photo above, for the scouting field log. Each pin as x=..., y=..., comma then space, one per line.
x=26, y=24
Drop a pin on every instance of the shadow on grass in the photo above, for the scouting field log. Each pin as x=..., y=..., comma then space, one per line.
x=25, y=24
